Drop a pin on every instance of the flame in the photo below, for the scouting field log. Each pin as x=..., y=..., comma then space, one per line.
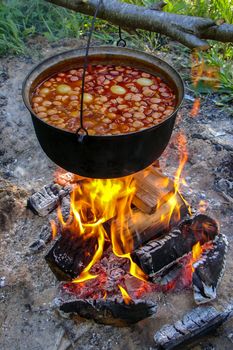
x=196, y=107
x=171, y=197
x=127, y=299
x=96, y=201
x=204, y=76
x=53, y=229
x=196, y=253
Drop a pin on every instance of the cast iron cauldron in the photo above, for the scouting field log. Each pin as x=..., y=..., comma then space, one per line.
x=103, y=156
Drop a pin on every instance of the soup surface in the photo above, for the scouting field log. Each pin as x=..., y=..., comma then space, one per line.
x=117, y=100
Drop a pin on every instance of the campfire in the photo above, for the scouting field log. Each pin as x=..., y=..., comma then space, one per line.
x=116, y=241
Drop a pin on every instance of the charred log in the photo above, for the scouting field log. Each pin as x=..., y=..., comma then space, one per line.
x=209, y=270
x=70, y=255
x=110, y=311
x=47, y=199
x=162, y=253
x=195, y=323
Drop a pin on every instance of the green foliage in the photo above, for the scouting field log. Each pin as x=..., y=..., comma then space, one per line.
x=21, y=20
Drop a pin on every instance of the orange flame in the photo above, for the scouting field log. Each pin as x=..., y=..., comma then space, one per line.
x=95, y=201
x=171, y=198
x=53, y=228
x=196, y=107
x=203, y=76
x=196, y=253
x=127, y=299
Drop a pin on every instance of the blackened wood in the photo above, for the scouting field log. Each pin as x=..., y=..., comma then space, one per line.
x=47, y=199
x=209, y=270
x=195, y=323
x=70, y=255
x=109, y=311
x=162, y=253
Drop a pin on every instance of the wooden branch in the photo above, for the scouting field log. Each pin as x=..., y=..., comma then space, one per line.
x=188, y=30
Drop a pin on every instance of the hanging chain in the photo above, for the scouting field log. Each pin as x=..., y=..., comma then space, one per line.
x=82, y=128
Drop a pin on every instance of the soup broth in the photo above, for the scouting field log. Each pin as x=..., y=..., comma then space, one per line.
x=117, y=100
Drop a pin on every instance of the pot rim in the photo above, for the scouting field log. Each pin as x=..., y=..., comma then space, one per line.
x=95, y=49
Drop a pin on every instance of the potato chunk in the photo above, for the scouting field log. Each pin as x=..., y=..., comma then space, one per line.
x=144, y=82
x=118, y=90
x=63, y=89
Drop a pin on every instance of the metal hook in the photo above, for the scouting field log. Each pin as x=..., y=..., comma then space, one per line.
x=121, y=42
x=81, y=133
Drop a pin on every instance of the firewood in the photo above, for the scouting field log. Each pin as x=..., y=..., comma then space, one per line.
x=152, y=187
x=47, y=199
x=106, y=311
x=70, y=255
x=163, y=253
x=209, y=270
x=195, y=323
x=142, y=227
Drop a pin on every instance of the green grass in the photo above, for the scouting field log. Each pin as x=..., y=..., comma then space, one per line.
x=21, y=20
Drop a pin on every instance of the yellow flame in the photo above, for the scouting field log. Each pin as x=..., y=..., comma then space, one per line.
x=95, y=201
x=53, y=228
x=127, y=299
x=196, y=253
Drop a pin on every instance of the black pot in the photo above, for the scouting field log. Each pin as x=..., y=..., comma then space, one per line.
x=103, y=156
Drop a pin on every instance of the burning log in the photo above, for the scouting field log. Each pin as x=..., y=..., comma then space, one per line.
x=47, y=199
x=159, y=254
x=209, y=270
x=70, y=255
x=109, y=311
x=195, y=323
x=143, y=227
x=152, y=187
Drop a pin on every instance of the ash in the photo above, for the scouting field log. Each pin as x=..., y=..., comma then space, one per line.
x=28, y=286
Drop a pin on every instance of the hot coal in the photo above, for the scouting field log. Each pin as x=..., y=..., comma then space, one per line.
x=47, y=199
x=162, y=253
x=195, y=323
x=70, y=255
x=209, y=270
x=100, y=298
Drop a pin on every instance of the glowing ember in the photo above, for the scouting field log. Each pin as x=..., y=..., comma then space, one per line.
x=127, y=299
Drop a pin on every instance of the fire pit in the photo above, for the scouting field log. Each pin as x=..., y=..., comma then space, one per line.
x=119, y=241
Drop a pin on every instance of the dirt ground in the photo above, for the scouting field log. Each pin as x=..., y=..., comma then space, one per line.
x=27, y=286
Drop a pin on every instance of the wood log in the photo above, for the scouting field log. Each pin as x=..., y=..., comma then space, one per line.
x=106, y=311
x=188, y=30
x=70, y=255
x=209, y=270
x=152, y=187
x=47, y=199
x=193, y=325
x=162, y=253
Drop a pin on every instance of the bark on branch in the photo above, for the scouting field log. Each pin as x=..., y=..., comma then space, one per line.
x=189, y=30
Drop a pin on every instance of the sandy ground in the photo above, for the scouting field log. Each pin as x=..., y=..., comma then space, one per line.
x=28, y=286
